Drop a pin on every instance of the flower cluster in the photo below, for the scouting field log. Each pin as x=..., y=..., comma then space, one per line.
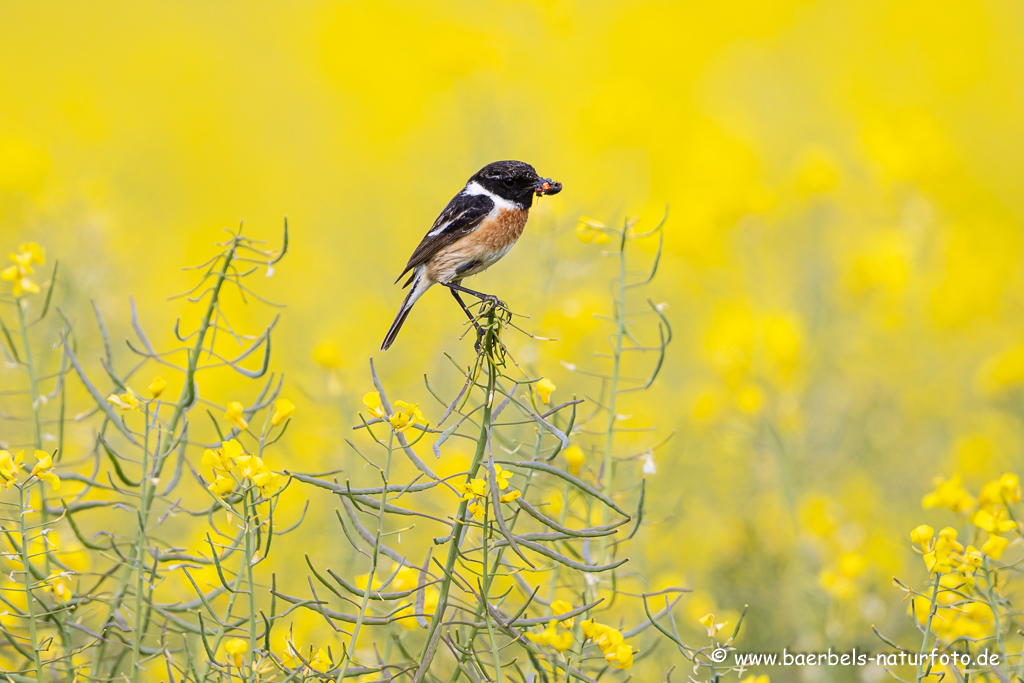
x=129, y=400
x=10, y=466
x=18, y=273
x=476, y=491
x=560, y=641
x=231, y=465
x=949, y=493
x=406, y=414
x=989, y=513
x=616, y=652
x=965, y=598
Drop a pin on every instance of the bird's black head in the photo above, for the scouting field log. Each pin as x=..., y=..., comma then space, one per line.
x=515, y=181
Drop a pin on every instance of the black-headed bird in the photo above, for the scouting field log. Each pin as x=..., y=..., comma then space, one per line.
x=478, y=227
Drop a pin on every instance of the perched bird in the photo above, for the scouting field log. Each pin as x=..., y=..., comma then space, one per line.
x=473, y=232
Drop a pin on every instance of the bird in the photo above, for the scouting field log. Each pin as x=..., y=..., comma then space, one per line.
x=477, y=228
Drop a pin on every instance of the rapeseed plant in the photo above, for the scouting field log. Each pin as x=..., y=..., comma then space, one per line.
x=527, y=532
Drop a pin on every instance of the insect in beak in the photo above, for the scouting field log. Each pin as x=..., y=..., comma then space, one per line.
x=547, y=186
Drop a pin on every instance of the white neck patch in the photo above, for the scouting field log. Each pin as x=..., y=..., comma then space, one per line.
x=475, y=188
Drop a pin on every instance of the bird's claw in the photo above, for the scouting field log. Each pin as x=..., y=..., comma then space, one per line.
x=495, y=301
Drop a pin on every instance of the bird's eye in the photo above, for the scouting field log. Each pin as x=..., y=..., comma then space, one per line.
x=509, y=182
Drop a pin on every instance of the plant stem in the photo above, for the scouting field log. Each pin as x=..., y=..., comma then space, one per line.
x=429, y=643
x=373, y=561
x=29, y=598
x=140, y=551
x=932, y=606
x=485, y=597
x=249, y=510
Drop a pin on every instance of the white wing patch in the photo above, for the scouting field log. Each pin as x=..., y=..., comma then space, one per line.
x=476, y=188
x=441, y=228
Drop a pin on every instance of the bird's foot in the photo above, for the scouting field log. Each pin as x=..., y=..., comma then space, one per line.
x=494, y=301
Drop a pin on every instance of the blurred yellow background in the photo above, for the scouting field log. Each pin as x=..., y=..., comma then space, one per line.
x=843, y=260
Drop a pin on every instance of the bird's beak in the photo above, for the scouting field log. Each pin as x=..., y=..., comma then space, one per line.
x=547, y=186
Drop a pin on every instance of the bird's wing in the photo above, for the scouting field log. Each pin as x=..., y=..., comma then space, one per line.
x=462, y=216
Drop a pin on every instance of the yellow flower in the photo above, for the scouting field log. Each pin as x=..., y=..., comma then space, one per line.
x=763, y=678
x=224, y=457
x=922, y=535
x=236, y=647
x=948, y=494
x=60, y=586
x=940, y=559
x=255, y=470
x=29, y=253
x=157, y=386
x=574, y=457
x=510, y=496
x=222, y=486
x=708, y=622
x=9, y=468
x=283, y=409
x=589, y=230
x=994, y=523
x=971, y=560
x=406, y=415
x=561, y=607
x=620, y=656
x=608, y=638
x=545, y=388
x=549, y=636
x=44, y=469
x=126, y=401
x=249, y=465
x=502, y=477
x=21, y=284
x=994, y=546
x=235, y=416
x=373, y=404
x=266, y=480
x=17, y=274
x=1010, y=485
x=476, y=509
x=474, y=488
x=327, y=355
x=400, y=422
x=1006, y=487
x=319, y=661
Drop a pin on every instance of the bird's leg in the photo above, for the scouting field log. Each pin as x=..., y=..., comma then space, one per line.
x=465, y=308
x=472, y=318
x=489, y=298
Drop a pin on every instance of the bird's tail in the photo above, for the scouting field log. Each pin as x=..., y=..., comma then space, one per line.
x=419, y=286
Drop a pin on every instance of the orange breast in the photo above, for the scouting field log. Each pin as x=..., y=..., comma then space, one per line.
x=479, y=249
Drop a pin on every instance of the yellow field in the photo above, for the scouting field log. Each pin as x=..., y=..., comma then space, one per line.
x=841, y=269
